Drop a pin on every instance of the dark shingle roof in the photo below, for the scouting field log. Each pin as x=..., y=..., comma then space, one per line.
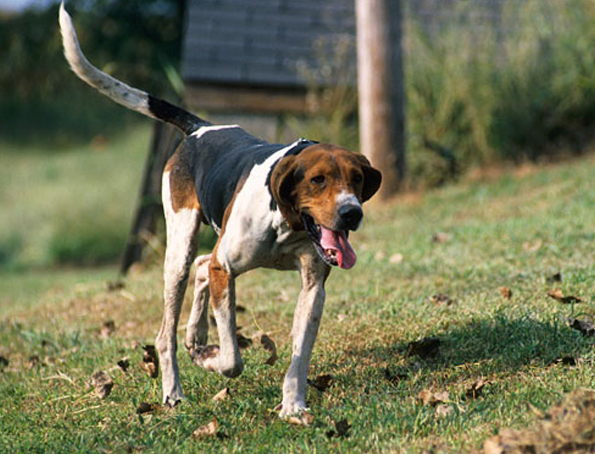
x=259, y=42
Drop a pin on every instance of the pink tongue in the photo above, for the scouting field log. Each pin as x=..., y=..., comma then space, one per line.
x=337, y=241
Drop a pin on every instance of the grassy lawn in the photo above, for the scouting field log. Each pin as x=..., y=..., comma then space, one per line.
x=514, y=229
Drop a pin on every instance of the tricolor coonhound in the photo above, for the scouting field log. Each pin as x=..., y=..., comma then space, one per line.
x=287, y=207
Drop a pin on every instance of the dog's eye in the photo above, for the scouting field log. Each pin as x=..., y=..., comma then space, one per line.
x=358, y=178
x=318, y=180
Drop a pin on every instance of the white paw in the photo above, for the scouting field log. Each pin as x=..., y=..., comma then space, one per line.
x=173, y=399
x=292, y=409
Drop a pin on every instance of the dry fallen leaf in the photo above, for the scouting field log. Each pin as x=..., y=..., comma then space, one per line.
x=124, y=364
x=207, y=430
x=107, y=329
x=321, y=382
x=269, y=346
x=221, y=395
x=557, y=294
x=145, y=407
x=304, y=419
x=476, y=389
x=150, y=362
x=441, y=237
x=506, y=292
x=341, y=429
x=243, y=341
x=428, y=347
x=443, y=410
x=585, y=327
x=102, y=383
x=442, y=299
x=428, y=397
x=532, y=246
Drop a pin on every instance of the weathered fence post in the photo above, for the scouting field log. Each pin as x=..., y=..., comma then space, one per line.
x=381, y=89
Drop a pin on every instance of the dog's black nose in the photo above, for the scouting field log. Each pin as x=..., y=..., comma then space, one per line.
x=351, y=216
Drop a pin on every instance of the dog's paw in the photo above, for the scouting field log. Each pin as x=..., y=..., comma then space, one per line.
x=206, y=357
x=173, y=399
x=292, y=409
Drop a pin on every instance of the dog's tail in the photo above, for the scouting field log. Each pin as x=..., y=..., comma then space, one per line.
x=119, y=92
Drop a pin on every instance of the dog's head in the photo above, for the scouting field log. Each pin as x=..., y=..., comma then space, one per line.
x=321, y=190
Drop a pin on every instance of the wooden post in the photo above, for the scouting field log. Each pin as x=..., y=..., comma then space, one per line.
x=380, y=89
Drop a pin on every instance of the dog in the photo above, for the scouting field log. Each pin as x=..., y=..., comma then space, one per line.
x=285, y=207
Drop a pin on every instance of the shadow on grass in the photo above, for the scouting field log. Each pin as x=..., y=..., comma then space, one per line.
x=507, y=344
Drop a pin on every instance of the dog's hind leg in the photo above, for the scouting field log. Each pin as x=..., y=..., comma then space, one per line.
x=198, y=325
x=182, y=223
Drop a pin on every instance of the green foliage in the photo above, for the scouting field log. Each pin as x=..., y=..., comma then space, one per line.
x=46, y=103
x=485, y=95
x=69, y=207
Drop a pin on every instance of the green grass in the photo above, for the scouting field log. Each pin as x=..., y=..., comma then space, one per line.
x=69, y=206
x=515, y=230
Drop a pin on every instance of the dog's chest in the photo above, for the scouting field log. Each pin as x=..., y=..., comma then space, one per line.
x=256, y=234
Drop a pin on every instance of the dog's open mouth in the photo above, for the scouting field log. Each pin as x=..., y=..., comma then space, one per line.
x=332, y=245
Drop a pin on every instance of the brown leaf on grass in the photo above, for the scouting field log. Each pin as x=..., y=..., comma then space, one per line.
x=145, y=407
x=208, y=430
x=533, y=246
x=221, y=395
x=102, y=383
x=269, y=346
x=568, y=427
x=124, y=364
x=557, y=294
x=585, y=327
x=428, y=397
x=243, y=341
x=107, y=329
x=506, y=292
x=556, y=277
x=321, y=382
x=443, y=410
x=441, y=299
x=476, y=389
x=304, y=419
x=150, y=362
x=441, y=237
x=341, y=429
x=428, y=347
x=34, y=361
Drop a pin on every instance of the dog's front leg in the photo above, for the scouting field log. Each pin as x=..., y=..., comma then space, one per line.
x=306, y=321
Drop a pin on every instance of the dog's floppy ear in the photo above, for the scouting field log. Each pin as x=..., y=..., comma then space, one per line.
x=283, y=182
x=372, y=177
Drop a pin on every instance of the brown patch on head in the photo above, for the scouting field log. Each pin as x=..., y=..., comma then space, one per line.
x=310, y=182
x=181, y=184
